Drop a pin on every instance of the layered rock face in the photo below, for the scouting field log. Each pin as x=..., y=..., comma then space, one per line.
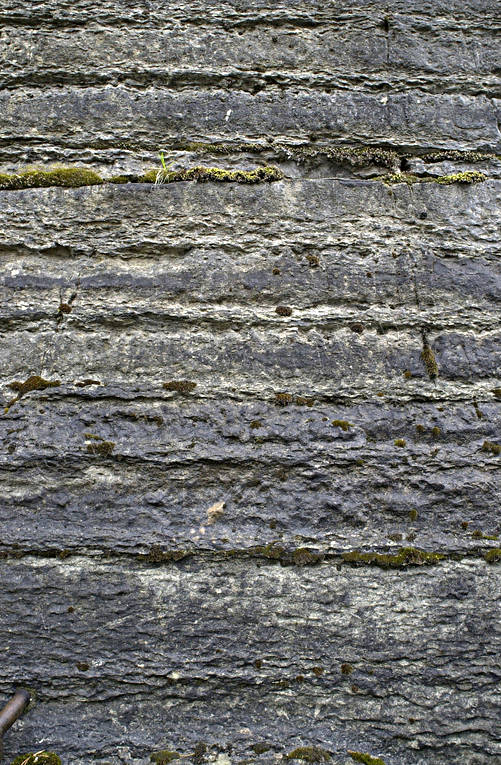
x=250, y=432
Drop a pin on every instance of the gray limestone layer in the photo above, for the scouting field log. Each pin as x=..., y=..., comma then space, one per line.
x=250, y=435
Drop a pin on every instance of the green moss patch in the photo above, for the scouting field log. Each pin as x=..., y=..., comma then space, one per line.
x=366, y=759
x=406, y=556
x=284, y=399
x=163, y=757
x=468, y=177
x=157, y=555
x=37, y=758
x=494, y=555
x=261, y=748
x=60, y=176
x=455, y=155
x=354, y=156
x=214, y=174
x=491, y=447
x=35, y=382
x=180, y=386
x=343, y=424
x=72, y=177
x=309, y=754
x=99, y=446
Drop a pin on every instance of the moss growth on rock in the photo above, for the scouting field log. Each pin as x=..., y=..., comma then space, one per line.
x=400, y=442
x=346, y=669
x=406, y=556
x=455, y=155
x=490, y=446
x=428, y=358
x=494, y=555
x=366, y=759
x=260, y=748
x=301, y=556
x=164, y=756
x=157, y=555
x=309, y=754
x=37, y=758
x=214, y=174
x=72, y=177
x=180, y=386
x=60, y=176
x=304, y=557
x=283, y=310
x=101, y=448
x=283, y=399
x=354, y=156
x=35, y=382
x=391, y=179
x=343, y=424
x=497, y=392
x=469, y=176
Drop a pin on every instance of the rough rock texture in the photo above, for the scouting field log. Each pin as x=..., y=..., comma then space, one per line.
x=250, y=436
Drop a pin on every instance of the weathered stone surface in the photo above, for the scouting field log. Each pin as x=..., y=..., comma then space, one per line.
x=154, y=658
x=213, y=395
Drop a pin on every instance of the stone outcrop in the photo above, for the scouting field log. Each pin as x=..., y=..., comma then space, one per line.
x=251, y=431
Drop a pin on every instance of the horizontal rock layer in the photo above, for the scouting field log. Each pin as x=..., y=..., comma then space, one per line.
x=130, y=660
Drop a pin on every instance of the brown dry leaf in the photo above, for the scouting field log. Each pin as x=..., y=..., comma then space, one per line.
x=214, y=512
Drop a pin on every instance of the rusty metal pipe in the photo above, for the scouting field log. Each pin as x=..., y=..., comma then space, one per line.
x=11, y=711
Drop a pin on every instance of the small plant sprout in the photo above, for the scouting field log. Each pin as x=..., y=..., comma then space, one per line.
x=162, y=173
